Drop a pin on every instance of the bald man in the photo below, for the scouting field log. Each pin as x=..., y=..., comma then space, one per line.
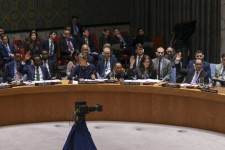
x=193, y=75
x=162, y=65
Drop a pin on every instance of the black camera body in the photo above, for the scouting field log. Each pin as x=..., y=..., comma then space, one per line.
x=81, y=109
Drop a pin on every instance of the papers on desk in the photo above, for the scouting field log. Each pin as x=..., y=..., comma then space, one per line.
x=143, y=80
x=5, y=85
x=44, y=82
x=186, y=85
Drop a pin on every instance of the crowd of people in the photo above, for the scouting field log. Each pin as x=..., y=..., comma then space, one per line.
x=78, y=52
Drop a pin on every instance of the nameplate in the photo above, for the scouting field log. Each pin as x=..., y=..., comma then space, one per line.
x=209, y=90
x=171, y=85
x=131, y=83
x=46, y=83
x=87, y=82
x=110, y=81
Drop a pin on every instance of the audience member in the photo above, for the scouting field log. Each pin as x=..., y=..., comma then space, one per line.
x=84, y=70
x=33, y=44
x=2, y=32
x=123, y=43
x=142, y=39
x=105, y=38
x=6, y=50
x=51, y=46
x=67, y=47
x=219, y=75
x=85, y=39
x=162, y=66
x=72, y=63
x=76, y=27
x=85, y=49
x=206, y=66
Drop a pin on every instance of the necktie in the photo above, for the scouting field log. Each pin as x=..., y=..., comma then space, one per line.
x=105, y=68
x=51, y=48
x=195, y=78
x=8, y=49
x=70, y=48
x=159, y=64
x=75, y=29
x=44, y=63
x=38, y=74
x=18, y=73
x=86, y=41
x=139, y=59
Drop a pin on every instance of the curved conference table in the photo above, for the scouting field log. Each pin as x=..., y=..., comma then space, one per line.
x=136, y=103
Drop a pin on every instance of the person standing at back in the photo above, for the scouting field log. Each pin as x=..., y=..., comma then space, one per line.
x=162, y=65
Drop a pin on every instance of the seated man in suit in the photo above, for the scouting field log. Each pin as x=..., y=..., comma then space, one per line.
x=85, y=39
x=162, y=65
x=35, y=72
x=84, y=70
x=206, y=66
x=193, y=75
x=50, y=65
x=85, y=49
x=219, y=75
x=119, y=71
x=6, y=50
x=51, y=46
x=11, y=72
x=105, y=65
x=67, y=47
x=124, y=44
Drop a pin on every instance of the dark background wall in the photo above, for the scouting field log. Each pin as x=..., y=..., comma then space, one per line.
x=19, y=15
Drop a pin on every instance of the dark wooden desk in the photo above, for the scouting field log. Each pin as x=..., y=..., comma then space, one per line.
x=181, y=107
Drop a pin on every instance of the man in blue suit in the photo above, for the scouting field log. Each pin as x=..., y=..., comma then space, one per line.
x=206, y=66
x=105, y=65
x=35, y=72
x=11, y=72
x=6, y=50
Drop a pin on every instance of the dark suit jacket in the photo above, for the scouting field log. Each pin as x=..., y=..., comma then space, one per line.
x=30, y=71
x=45, y=45
x=91, y=43
x=206, y=67
x=80, y=29
x=64, y=47
x=190, y=73
x=9, y=72
x=53, y=71
x=4, y=53
x=100, y=65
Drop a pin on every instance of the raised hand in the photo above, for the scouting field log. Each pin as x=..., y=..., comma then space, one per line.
x=179, y=56
x=27, y=56
x=132, y=61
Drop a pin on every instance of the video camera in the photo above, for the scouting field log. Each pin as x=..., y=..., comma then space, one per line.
x=81, y=109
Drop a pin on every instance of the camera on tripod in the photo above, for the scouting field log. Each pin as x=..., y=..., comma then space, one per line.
x=81, y=109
